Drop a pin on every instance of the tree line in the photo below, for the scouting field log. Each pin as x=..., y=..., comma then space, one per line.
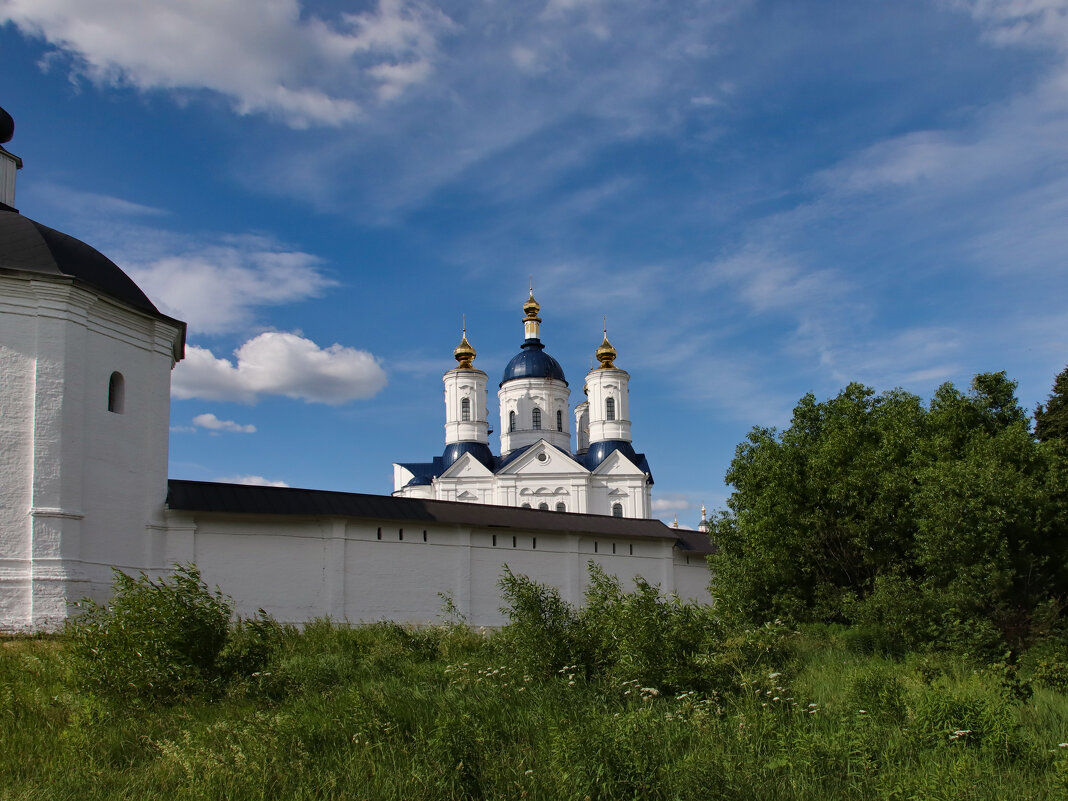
x=929, y=523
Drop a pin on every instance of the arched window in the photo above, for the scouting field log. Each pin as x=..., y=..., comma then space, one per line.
x=617, y=510
x=525, y=506
x=465, y=409
x=559, y=420
x=116, y=393
x=511, y=421
x=561, y=507
x=543, y=506
x=610, y=409
x=536, y=417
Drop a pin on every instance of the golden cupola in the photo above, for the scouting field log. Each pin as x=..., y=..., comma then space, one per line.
x=606, y=354
x=464, y=353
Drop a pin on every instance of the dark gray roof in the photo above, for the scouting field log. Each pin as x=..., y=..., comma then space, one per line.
x=28, y=246
x=206, y=496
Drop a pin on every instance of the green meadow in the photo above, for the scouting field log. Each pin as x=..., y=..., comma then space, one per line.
x=634, y=695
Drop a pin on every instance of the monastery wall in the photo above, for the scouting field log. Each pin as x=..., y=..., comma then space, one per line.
x=360, y=571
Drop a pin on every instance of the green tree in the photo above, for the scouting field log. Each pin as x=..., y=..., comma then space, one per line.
x=1051, y=419
x=872, y=508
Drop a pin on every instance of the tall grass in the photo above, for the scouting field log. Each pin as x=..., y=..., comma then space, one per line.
x=651, y=699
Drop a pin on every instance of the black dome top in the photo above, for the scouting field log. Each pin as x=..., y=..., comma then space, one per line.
x=533, y=362
x=28, y=246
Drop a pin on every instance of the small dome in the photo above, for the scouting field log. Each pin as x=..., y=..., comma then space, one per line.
x=606, y=354
x=28, y=246
x=464, y=354
x=533, y=362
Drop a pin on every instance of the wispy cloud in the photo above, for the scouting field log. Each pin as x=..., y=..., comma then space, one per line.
x=275, y=363
x=219, y=288
x=256, y=481
x=213, y=423
x=265, y=55
x=673, y=502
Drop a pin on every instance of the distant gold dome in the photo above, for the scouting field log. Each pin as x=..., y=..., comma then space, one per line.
x=606, y=354
x=464, y=353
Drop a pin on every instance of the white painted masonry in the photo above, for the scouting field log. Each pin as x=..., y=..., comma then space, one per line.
x=81, y=485
x=298, y=569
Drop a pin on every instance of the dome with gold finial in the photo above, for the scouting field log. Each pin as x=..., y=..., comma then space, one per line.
x=532, y=307
x=606, y=354
x=532, y=361
x=464, y=353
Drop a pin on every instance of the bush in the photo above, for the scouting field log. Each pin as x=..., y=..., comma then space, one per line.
x=153, y=642
x=634, y=636
x=1046, y=664
x=543, y=633
x=973, y=710
x=644, y=636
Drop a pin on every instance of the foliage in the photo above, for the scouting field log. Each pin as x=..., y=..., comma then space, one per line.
x=640, y=636
x=926, y=524
x=378, y=712
x=1051, y=419
x=154, y=641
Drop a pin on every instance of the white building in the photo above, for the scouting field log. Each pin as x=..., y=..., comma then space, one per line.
x=85, y=363
x=536, y=468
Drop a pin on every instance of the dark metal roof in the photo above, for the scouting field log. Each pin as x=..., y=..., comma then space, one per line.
x=242, y=499
x=533, y=362
x=480, y=450
x=599, y=451
x=28, y=246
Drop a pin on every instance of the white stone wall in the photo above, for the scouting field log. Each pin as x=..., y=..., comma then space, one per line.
x=81, y=488
x=298, y=569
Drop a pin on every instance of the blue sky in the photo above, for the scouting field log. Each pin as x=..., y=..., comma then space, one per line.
x=764, y=198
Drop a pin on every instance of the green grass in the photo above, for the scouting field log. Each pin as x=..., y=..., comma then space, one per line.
x=383, y=712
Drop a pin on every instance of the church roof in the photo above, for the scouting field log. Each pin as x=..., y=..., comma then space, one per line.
x=205, y=496
x=533, y=362
x=29, y=246
x=599, y=451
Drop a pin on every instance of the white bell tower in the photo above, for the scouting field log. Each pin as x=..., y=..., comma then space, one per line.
x=608, y=398
x=465, y=398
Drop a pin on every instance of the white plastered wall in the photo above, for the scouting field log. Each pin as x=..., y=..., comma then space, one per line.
x=82, y=488
x=365, y=570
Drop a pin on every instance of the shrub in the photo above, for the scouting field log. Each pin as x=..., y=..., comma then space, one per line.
x=642, y=635
x=154, y=641
x=1046, y=664
x=972, y=710
x=543, y=631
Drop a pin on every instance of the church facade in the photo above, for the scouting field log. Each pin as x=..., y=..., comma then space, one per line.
x=537, y=468
x=85, y=368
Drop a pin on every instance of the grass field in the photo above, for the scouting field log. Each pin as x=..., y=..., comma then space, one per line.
x=386, y=712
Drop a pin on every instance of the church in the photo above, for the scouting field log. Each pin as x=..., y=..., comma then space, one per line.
x=85, y=362
x=536, y=468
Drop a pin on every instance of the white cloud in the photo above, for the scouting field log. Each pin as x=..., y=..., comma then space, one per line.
x=213, y=423
x=215, y=283
x=216, y=289
x=672, y=503
x=257, y=481
x=266, y=55
x=275, y=363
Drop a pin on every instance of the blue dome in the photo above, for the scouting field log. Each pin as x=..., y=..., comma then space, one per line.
x=479, y=450
x=533, y=362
